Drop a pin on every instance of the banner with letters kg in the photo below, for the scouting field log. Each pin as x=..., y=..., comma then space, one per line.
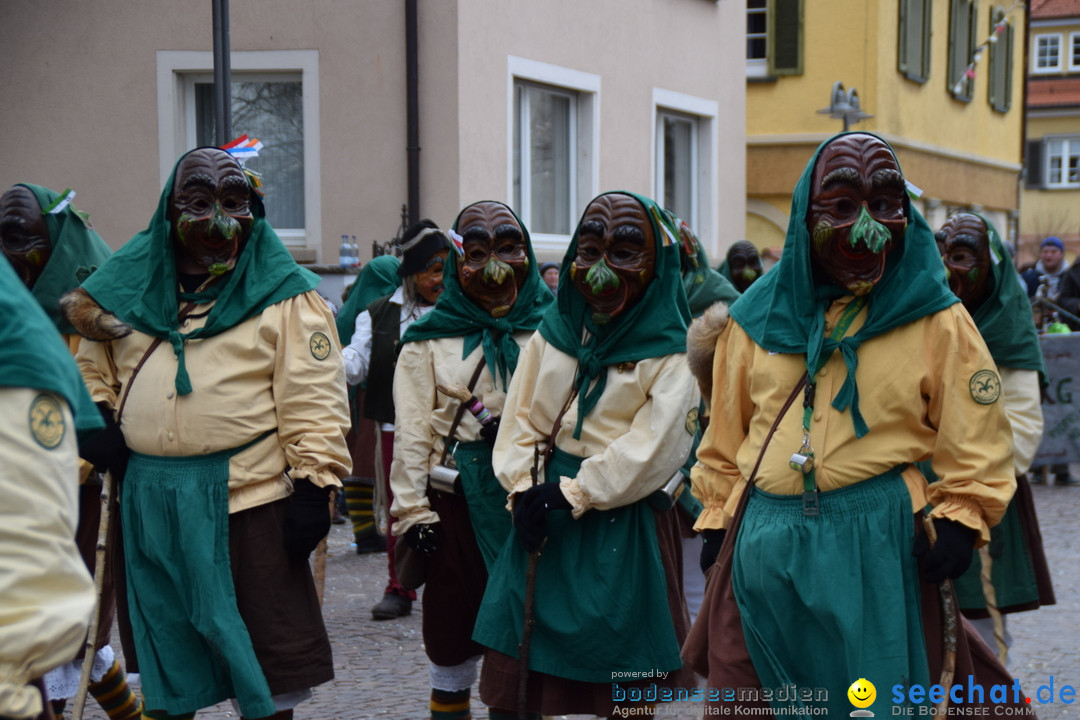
x=1061, y=401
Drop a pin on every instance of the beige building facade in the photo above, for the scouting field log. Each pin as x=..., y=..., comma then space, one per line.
x=1051, y=197
x=542, y=104
x=948, y=100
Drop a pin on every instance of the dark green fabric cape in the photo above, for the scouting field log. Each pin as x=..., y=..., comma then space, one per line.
x=77, y=251
x=784, y=310
x=32, y=354
x=139, y=283
x=1004, y=318
x=377, y=278
x=454, y=315
x=654, y=327
x=705, y=286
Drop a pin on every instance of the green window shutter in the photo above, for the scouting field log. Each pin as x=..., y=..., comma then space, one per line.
x=786, y=37
x=1033, y=164
x=961, y=45
x=1001, y=53
x=913, y=56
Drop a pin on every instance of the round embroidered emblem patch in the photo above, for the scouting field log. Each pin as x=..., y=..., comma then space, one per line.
x=985, y=387
x=47, y=421
x=692, y=421
x=320, y=346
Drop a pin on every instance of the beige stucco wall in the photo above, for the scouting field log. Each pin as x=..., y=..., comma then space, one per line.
x=694, y=47
x=86, y=108
x=82, y=106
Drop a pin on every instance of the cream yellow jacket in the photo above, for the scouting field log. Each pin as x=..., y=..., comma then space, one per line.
x=46, y=593
x=923, y=391
x=280, y=370
x=633, y=441
x=423, y=417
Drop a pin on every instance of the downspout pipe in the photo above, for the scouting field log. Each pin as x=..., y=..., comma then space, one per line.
x=412, y=112
x=222, y=73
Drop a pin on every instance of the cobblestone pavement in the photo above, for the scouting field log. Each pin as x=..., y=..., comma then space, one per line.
x=382, y=670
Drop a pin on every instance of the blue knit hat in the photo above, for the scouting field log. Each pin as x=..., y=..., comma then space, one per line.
x=1056, y=242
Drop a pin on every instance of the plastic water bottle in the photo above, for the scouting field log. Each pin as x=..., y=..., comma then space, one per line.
x=344, y=251
x=355, y=254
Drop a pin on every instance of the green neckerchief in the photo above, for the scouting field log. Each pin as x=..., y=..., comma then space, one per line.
x=32, y=355
x=376, y=279
x=454, y=315
x=784, y=310
x=139, y=284
x=654, y=327
x=705, y=286
x=1004, y=318
x=77, y=251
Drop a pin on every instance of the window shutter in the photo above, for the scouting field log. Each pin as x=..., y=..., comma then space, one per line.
x=1033, y=164
x=913, y=56
x=962, y=32
x=1001, y=53
x=785, y=36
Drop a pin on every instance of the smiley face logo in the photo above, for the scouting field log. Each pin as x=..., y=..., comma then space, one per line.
x=862, y=693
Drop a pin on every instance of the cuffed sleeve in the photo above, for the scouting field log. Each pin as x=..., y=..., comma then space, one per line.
x=414, y=439
x=357, y=354
x=309, y=388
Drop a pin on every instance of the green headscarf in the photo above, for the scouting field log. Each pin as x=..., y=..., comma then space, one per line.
x=1004, y=318
x=784, y=310
x=139, y=283
x=454, y=314
x=32, y=355
x=703, y=285
x=654, y=327
x=376, y=279
x=77, y=251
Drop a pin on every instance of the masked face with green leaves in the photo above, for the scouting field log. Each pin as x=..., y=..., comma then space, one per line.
x=856, y=215
x=24, y=235
x=616, y=255
x=965, y=249
x=744, y=264
x=210, y=212
x=495, y=260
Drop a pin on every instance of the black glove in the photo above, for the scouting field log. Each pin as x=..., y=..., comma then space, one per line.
x=307, y=518
x=107, y=450
x=424, y=538
x=530, y=513
x=489, y=431
x=951, y=554
x=711, y=540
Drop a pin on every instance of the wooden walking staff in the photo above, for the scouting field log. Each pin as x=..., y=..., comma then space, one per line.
x=99, y=584
x=950, y=625
x=990, y=595
x=530, y=596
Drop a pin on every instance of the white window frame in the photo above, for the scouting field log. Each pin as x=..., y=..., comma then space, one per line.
x=705, y=112
x=1071, y=146
x=659, y=188
x=1044, y=69
x=1071, y=50
x=758, y=67
x=176, y=71
x=585, y=134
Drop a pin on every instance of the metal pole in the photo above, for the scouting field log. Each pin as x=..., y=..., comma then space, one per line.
x=412, y=111
x=222, y=74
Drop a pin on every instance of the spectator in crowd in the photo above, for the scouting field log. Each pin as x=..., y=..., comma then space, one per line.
x=1048, y=270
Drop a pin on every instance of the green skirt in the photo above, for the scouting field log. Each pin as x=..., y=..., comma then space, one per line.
x=826, y=600
x=485, y=497
x=193, y=647
x=601, y=607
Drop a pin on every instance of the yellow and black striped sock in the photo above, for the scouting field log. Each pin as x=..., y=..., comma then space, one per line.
x=359, y=500
x=450, y=704
x=115, y=696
